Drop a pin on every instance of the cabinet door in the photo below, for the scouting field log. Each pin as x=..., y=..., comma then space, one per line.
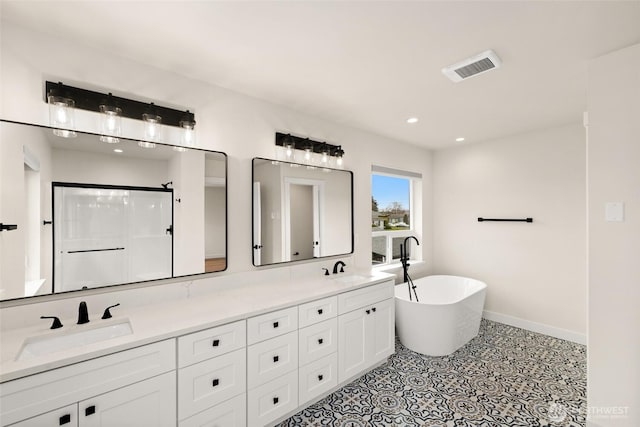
x=382, y=331
x=150, y=403
x=66, y=417
x=352, y=346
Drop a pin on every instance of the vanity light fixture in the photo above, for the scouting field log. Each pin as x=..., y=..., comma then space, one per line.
x=328, y=154
x=111, y=121
x=61, y=111
x=64, y=99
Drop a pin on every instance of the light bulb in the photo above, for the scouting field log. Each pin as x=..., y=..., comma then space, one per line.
x=188, y=125
x=325, y=157
x=111, y=123
x=288, y=151
x=61, y=115
x=307, y=154
x=152, y=129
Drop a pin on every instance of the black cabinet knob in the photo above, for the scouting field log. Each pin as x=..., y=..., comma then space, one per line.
x=275, y=400
x=373, y=309
x=90, y=410
x=215, y=382
x=368, y=311
x=215, y=343
x=275, y=324
x=320, y=341
x=320, y=311
x=65, y=419
x=275, y=359
x=320, y=377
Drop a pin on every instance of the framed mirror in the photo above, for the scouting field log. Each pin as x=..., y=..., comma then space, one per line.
x=300, y=212
x=79, y=213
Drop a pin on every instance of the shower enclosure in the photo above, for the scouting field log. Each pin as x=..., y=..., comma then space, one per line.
x=106, y=235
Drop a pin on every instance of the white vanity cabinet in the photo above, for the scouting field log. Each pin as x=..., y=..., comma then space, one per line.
x=318, y=347
x=132, y=388
x=365, y=329
x=212, y=377
x=272, y=366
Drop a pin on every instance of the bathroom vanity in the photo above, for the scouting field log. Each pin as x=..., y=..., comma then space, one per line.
x=250, y=355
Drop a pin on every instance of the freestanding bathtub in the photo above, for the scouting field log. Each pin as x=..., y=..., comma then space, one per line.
x=446, y=317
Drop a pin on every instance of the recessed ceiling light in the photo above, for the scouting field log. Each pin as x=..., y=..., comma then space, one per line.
x=117, y=150
x=412, y=120
x=459, y=139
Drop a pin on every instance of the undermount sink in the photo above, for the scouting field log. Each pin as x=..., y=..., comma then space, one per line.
x=351, y=278
x=83, y=335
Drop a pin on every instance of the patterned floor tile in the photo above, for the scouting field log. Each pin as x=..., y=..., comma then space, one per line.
x=505, y=376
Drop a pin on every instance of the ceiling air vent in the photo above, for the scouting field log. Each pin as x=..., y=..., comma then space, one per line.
x=477, y=64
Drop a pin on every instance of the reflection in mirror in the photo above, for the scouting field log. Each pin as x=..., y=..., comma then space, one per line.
x=91, y=214
x=300, y=212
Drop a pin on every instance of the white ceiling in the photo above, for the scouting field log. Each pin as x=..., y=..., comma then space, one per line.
x=367, y=64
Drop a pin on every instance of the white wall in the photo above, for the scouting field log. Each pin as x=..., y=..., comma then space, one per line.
x=535, y=272
x=241, y=126
x=614, y=247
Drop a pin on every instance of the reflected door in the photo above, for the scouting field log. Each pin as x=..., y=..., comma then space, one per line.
x=303, y=217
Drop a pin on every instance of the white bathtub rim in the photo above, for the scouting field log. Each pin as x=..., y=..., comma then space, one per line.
x=482, y=287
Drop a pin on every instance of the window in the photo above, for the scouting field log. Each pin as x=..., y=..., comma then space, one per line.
x=395, y=212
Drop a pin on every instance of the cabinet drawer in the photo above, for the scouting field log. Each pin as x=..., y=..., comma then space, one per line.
x=349, y=301
x=208, y=383
x=271, y=359
x=317, y=311
x=231, y=413
x=40, y=393
x=66, y=417
x=272, y=324
x=210, y=343
x=318, y=377
x=272, y=400
x=317, y=341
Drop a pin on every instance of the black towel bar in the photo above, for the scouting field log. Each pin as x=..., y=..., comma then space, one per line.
x=506, y=219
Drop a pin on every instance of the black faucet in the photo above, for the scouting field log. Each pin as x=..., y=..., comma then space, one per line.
x=404, y=256
x=404, y=259
x=335, y=267
x=83, y=314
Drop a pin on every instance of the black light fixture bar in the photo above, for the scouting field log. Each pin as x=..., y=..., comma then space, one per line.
x=300, y=143
x=90, y=100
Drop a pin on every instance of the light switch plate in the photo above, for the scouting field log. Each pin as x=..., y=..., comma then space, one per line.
x=614, y=211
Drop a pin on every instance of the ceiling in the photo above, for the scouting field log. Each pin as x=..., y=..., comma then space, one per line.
x=367, y=64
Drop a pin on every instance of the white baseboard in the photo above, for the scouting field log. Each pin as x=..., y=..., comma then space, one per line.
x=541, y=328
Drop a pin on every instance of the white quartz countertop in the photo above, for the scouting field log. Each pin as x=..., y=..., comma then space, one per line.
x=169, y=319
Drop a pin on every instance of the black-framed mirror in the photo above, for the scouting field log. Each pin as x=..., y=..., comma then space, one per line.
x=90, y=214
x=300, y=212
